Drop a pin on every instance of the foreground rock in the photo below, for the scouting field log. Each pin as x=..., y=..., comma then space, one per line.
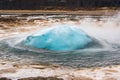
x=4, y=79
x=41, y=78
x=13, y=71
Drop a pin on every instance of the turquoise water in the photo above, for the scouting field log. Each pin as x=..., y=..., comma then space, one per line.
x=59, y=38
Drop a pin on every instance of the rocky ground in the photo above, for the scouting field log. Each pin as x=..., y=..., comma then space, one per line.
x=13, y=71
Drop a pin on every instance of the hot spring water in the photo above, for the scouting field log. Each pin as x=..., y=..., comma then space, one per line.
x=59, y=38
x=87, y=42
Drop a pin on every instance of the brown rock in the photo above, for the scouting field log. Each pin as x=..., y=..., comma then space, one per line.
x=110, y=70
x=109, y=78
x=9, y=70
x=72, y=77
x=4, y=79
x=81, y=78
x=41, y=78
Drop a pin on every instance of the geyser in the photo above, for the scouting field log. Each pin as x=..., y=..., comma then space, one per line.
x=59, y=38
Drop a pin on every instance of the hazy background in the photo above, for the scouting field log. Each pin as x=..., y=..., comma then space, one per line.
x=57, y=4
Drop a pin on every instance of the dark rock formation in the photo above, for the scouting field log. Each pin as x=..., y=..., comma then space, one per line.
x=4, y=79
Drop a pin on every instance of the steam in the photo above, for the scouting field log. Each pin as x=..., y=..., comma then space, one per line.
x=107, y=29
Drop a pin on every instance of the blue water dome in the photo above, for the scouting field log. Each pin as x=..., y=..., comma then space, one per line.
x=59, y=38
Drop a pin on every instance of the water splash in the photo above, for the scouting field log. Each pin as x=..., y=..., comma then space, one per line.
x=59, y=38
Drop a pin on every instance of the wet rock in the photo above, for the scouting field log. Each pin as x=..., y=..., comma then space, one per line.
x=9, y=70
x=4, y=79
x=41, y=78
x=109, y=78
x=73, y=77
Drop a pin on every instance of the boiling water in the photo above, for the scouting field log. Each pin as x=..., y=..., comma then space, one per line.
x=105, y=50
